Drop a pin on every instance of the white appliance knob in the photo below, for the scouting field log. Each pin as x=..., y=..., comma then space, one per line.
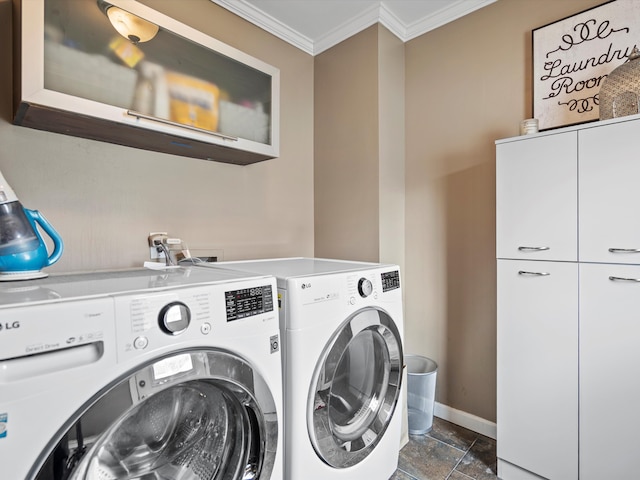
x=365, y=287
x=174, y=318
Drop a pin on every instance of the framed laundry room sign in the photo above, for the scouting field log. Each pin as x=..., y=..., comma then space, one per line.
x=573, y=56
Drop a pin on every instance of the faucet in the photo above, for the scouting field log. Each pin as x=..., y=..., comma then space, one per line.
x=173, y=249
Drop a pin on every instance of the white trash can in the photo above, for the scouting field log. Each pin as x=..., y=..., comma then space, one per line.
x=421, y=393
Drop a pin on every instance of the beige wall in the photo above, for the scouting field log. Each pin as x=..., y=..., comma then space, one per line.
x=468, y=83
x=105, y=199
x=346, y=149
x=391, y=149
x=359, y=148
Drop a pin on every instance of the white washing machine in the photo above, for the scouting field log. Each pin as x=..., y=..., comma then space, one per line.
x=342, y=326
x=145, y=375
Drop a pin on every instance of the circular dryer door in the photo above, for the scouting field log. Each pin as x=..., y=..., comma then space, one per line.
x=198, y=415
x=355, y=388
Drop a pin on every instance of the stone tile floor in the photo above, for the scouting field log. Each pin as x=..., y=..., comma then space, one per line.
x=447, y=452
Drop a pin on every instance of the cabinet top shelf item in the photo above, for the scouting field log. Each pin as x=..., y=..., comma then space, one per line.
x=571, y=128
x=180, y=91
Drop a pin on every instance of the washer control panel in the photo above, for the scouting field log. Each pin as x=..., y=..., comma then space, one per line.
x=147, y=321
x=248, y=302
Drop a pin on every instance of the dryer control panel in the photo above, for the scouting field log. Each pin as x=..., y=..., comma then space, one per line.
x=390, y=280
x=351, y=288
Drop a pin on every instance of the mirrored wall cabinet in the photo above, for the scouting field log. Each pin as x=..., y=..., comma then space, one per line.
x=123, y=73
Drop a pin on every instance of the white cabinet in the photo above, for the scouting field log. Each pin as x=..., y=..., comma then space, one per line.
x=536, y=198
x=575, y=314
x=181, y=92
x=609, y=177
x=609, y=370
x=537, y=376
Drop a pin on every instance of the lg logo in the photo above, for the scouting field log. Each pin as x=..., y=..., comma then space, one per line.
x=306, y=285
x=9, y=326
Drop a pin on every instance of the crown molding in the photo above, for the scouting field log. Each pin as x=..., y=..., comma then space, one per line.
x=268, y=23
x=392, y=22
x=348, y=29
x=378, y=13
x=455, y=10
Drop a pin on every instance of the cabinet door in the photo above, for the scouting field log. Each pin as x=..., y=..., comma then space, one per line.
x=537, y=373
x=609, y=169
x=180, y=91
x=609, y=371
x=536, y=198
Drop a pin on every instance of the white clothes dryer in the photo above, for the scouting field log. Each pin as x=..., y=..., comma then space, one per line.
x=342, y=327
x=147, y=375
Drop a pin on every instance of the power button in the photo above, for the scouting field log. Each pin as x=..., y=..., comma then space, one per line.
x=140, y=343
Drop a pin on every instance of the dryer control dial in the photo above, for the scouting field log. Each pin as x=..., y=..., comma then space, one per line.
x=174, y=318
x=365, y=287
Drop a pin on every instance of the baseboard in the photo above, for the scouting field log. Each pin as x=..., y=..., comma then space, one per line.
x=466, y=420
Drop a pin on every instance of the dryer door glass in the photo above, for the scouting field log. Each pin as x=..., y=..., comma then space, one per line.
x=192, y=416
x=355, y=388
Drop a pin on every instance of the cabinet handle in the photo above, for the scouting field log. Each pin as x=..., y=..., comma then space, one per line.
x=624, y=250
x=624, y=279
x=532, y=249
x=139, y=115
x=535, y=274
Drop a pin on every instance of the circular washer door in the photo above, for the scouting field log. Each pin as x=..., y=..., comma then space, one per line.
x=355, y=388
x=198, y=415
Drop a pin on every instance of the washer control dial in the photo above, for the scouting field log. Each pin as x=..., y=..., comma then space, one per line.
x=365, y=287
x=174, y=318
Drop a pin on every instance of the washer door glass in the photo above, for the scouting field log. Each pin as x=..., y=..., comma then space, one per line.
x=355, y=388
x=191, y=416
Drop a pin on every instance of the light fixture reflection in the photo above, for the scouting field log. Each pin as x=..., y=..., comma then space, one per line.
x=128, y=25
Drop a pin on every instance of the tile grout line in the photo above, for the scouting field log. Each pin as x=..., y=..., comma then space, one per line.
x=464, y=452
x=452, y=446
x=461, y=458
x=413, y=477
x=407, y=474
x=460, y=473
